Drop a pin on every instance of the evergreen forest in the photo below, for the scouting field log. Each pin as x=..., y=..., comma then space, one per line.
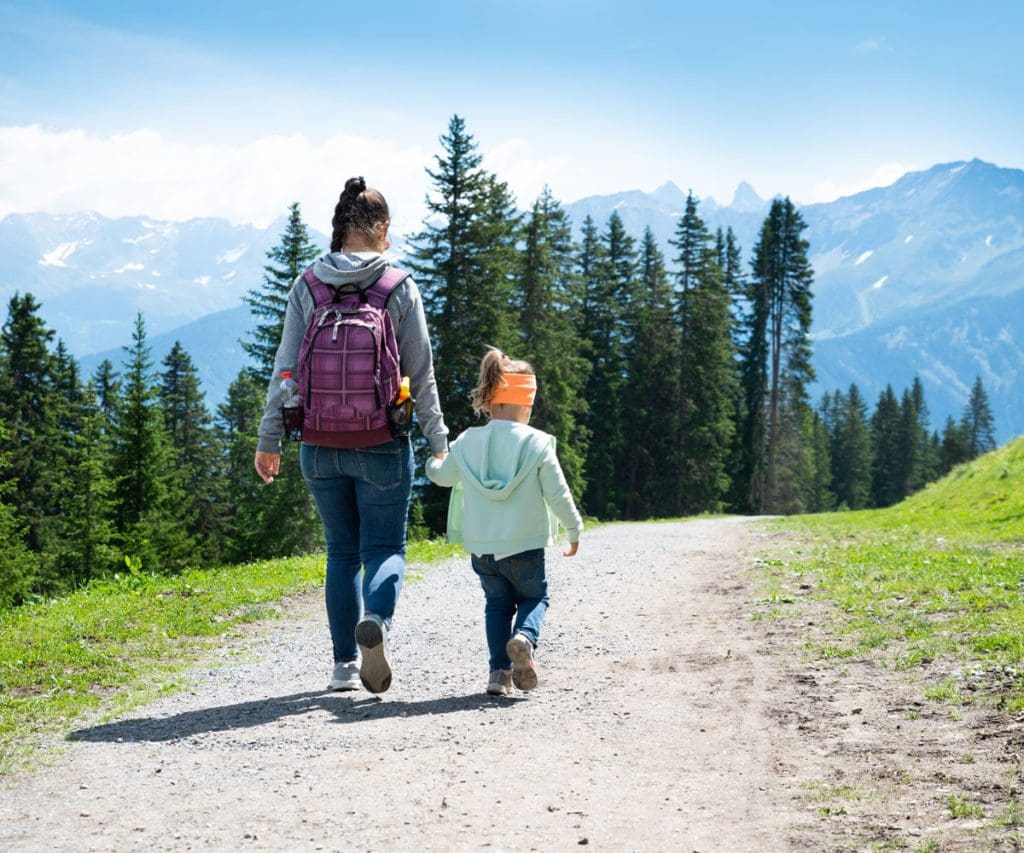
x=675, y=379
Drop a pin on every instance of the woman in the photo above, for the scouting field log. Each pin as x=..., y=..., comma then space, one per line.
x=361, y=492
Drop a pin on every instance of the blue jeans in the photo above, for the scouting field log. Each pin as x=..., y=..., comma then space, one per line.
x=363, y=497
x=516, y=598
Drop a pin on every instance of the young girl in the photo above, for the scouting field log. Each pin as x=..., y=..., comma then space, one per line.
x=509, y=489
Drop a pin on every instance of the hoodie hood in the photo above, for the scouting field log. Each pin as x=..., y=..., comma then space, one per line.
x=496, y=458
x=355, y=269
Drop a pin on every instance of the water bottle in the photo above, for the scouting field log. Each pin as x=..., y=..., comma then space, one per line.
x=400, y=412
x=291, y=406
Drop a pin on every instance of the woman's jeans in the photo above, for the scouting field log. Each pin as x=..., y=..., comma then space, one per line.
x=516, y=598
x=363, y=497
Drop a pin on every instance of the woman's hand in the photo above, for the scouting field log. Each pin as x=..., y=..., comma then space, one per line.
x=267, y=465
x=441, y=454
x=571, y=550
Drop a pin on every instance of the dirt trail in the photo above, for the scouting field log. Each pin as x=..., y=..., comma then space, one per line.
x=666, y=719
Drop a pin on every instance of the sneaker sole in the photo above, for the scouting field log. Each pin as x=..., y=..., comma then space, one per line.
x=374, y=668
x=342, y=685
x=524, y=676
x=497, y=691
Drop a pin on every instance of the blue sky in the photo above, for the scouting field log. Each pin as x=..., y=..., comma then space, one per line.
x=231, y=108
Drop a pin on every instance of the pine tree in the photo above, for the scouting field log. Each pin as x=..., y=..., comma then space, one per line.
x=107, y=384
x=886, y=485
x=779, y=297
x=611, y=309
x=196, y=454
x=652, y=392
x=977, y=422
x=150, y=495
x=548, y=297
x=953, y=448
x=928, y=461
x=89, y=547
x=79, y=517
x=706, y=386
x=17, y=569
x=851, y=450
x=818, y=496
x=250, y=532
x=29, y=410
x=464, y=261
x=735, y=283
x=288, y=260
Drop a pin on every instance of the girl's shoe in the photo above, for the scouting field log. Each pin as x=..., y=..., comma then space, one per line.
x=500, y=682
x=520, y=652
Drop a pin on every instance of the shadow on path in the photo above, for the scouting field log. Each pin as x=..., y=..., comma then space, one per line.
x=346, y=708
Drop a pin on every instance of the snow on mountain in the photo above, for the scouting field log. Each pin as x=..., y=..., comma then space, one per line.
x=93, y=274
x=57, y=257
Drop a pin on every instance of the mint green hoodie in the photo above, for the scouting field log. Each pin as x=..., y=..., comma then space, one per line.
x=509, y=489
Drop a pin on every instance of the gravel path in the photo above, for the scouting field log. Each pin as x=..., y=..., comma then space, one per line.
x=664, y=721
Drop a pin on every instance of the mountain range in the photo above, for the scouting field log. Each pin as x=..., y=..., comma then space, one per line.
x=922, y=277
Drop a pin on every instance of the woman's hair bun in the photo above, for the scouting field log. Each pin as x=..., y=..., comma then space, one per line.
x=354, y=186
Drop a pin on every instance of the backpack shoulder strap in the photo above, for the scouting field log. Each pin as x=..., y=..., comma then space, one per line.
x=320, y=291
x=388, y=282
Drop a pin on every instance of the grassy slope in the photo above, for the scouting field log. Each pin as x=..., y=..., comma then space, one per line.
x=105, y=648
x=938, y=579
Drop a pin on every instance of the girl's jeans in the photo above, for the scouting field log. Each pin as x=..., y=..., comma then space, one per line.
x=515, y=588
x=363, y=497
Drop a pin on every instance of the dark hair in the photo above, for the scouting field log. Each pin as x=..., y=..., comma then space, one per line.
x=360, y=209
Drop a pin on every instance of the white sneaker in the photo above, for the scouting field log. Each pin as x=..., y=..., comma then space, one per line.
x=520, y=652
x=372, y=639
x=345, y=676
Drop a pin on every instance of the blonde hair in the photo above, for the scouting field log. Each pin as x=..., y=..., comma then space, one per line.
x=493, y=367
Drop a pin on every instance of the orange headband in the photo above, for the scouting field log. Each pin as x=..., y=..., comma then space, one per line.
x=519, y=389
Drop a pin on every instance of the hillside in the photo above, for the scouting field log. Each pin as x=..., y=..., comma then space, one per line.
x=980, y=500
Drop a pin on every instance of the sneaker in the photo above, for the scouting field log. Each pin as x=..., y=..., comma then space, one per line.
x=520, y=651
x=372, y=639
x=500, y=682
x=345, y=676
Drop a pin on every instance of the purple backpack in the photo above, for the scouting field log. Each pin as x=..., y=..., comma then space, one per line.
x=348, y=371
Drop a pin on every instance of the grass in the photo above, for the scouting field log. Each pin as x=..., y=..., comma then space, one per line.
x=930, y=585
x=116, y=643
x=960, y=807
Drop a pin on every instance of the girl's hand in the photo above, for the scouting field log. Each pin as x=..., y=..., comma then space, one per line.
x=267, y=465
x=571, y=550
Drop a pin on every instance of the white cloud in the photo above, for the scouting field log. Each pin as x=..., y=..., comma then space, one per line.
x=882, y=176
x=526, y=173
x=870, y=45
x=141, y=173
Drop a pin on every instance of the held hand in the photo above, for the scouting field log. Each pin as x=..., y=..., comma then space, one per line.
x=571, y=550
x=441, y=454
x=267, y=465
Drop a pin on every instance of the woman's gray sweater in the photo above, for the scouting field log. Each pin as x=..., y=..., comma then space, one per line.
x=410, y=323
